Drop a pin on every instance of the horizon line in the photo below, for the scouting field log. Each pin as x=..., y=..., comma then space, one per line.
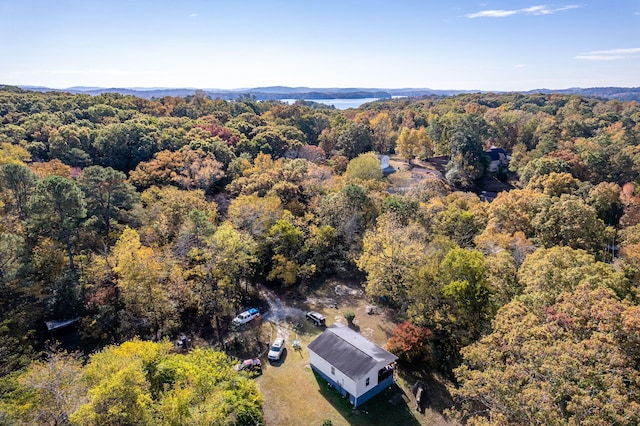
x=151, y=88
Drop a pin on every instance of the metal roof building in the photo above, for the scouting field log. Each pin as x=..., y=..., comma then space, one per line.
x=358, y=368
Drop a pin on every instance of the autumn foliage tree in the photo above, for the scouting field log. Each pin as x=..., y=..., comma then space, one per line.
x=414, y=143
x=136, y=383
x=410, y=342
x=571, y=362
x=140, y=276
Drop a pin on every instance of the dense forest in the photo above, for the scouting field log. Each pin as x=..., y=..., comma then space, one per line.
x=144, y=218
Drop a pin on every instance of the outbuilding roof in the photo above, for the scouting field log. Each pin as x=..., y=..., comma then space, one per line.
x=55, y=325
x=494, y=153
x=349, y=351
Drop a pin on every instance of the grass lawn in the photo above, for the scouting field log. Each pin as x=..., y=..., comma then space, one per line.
x=295, y=396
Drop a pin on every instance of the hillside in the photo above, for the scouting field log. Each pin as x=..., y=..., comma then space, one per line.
x=283, y=92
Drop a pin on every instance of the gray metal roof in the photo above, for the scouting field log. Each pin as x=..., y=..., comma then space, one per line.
x=349, y=351
x=54, y=325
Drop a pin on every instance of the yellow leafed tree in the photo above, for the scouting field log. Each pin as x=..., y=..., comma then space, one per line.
x=140, y=276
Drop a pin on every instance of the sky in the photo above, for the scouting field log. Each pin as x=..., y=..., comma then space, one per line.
x=505, y=45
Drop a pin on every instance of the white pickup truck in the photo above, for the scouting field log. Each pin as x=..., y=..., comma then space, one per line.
x=245, y=317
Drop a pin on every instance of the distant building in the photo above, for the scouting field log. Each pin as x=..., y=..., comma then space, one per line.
x=358, y=368
x=64, y=333
x=498, y=159
x=385, y=166
x=488, y=196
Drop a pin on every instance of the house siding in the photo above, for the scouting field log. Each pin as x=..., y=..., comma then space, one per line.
x=353, y=399
x=341, y=382
x=346, y=360
x=361, y=385
x=358, y=392
x=374, y=391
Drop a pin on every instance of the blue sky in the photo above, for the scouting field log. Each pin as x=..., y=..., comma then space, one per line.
x=452, y=44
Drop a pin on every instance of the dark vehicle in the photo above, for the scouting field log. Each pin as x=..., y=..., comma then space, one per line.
x=316, y=318
x=253, y=365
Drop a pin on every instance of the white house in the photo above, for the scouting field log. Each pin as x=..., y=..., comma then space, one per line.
x=357, y=368
x=385, y=165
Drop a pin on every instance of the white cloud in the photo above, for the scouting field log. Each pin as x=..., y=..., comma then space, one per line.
x=520, y=65
x=599, y=57
x=609, y=55
x=532, y=10
x=492, y=14
x=193, y=15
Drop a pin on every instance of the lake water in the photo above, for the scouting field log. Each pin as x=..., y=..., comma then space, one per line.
x=338, y=103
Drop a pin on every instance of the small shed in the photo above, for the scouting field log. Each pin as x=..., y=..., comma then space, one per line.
x=358, y=368
x=385, y=165
x=63, y=332
x=498, y=159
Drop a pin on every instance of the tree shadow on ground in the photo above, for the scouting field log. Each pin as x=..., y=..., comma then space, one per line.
x=435, y=395
x=354, y=327
x=389, y=407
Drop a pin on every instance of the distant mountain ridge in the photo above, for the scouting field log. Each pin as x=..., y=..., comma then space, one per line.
x=310, y=93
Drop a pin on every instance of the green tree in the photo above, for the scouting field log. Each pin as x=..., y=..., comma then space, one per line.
x=57, y=207
x=605, y=198
x=502, y=278
x=109, y=197
x=272, y=141
x=355, y=139
x=285, y=238
x=468, y=160
x=19, y=183
x=124, y=145
x=569, y=221
x=350, y=212
x=322, y=251
x=464, y=278
x=543, y=166
x=460, y=225
x=364, y=167
x=18, y=315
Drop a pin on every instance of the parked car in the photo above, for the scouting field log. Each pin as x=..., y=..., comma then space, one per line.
x=316, y=318
x=276, y=349
x=252, y=365
x=245, y=317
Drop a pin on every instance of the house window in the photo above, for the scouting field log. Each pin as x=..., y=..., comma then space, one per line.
x=333, y=371
x=367, y=382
